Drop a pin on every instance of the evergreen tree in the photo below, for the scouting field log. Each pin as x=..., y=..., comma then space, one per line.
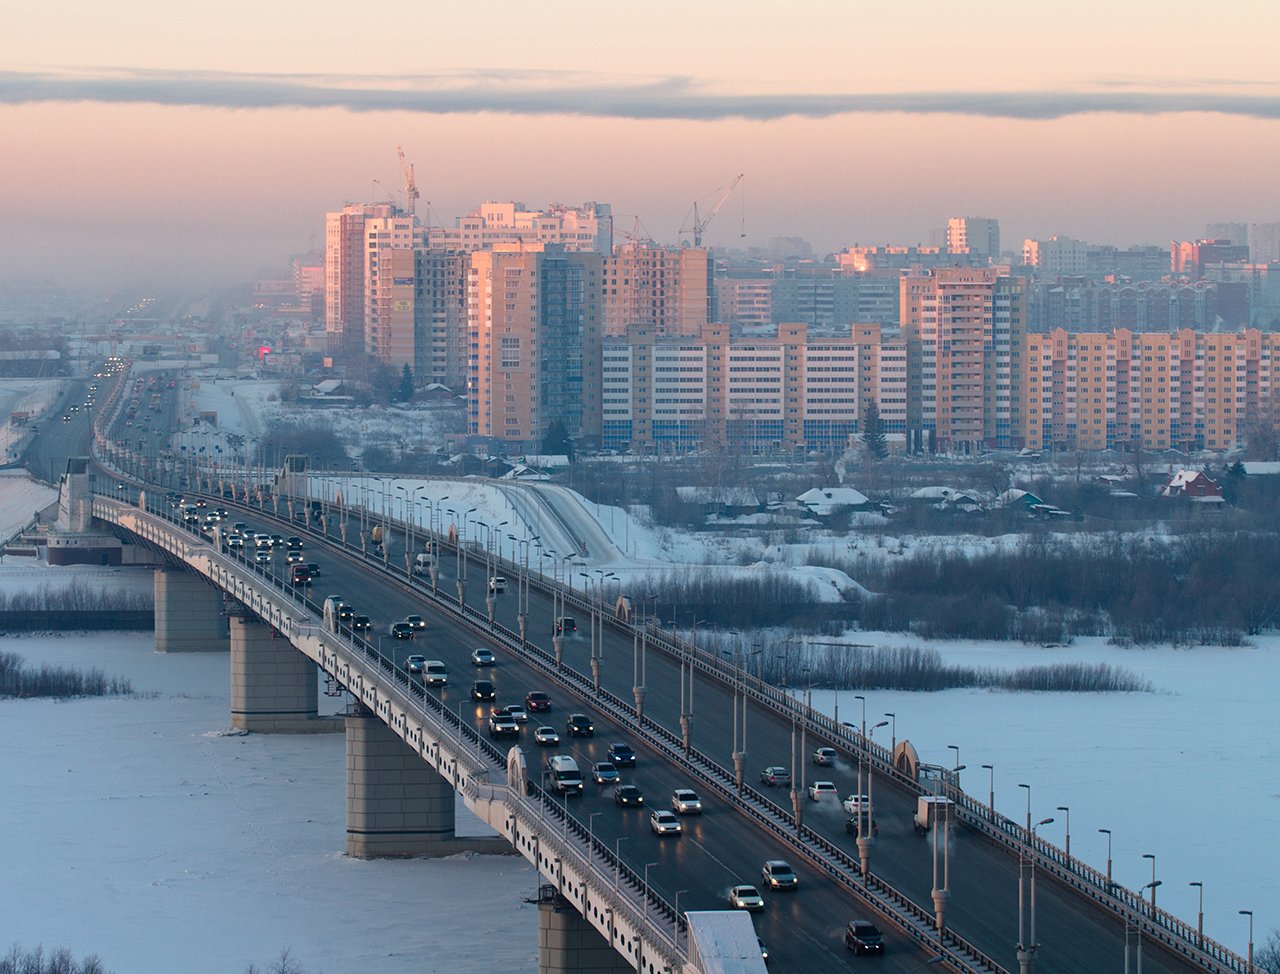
x=405, y=392
x=556, y=441
x=873, y=431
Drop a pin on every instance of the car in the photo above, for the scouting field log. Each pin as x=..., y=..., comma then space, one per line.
x=293, y=558
x=517, y=712
x=605, y=773
x=824, y=756
x=299, y=575
x=579, y=725
x=566, y=624
x=622, y=755
x=820, y=788
x=775, y=776
x=746, y=897
x=853, y=826
x=435, y=673
x=536, y=700
x=346, y=612
x=863, y=937
x=277, y=540
x=856, y=803
x=497, y=584
x=293, y=543
x=362, y=624
x=235, y=542
x=315, y=569
x=628, y=796
x=483, y=690
x=764, y=951
x=402, y=630
x=503, y=725
x=546, y=736
x=66, y=418
x=664, y=822
x=415, y=622
x=482, y=657
x=685, y=801
x=262, y=556
x=777, y=874
x=415, y=663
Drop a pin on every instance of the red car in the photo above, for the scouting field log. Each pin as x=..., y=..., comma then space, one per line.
x=536, y=700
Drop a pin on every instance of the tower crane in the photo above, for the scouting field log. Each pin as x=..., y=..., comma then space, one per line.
x=697, y=223
x=411, y=193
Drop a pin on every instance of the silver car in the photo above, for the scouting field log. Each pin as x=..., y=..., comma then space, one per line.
x=685, y=801
x=664, y=822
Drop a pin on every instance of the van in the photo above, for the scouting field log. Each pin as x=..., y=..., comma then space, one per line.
x=565, y=777
x=497, y=584
x=422, y=564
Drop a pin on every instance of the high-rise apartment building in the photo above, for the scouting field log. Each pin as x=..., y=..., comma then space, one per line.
x=1190, y=257
x=344, y=272
x=1056, y=256
x=658, y=290
x=974, y=235
x=535, y=322
x=964, y=330
x=1232, y=233
x=1264, y=242
x=390, y=290
x=582, y=228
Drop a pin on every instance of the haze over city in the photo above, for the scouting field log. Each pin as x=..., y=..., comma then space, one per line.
x=164, y=145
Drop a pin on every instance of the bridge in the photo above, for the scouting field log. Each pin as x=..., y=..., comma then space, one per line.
x=981, y=893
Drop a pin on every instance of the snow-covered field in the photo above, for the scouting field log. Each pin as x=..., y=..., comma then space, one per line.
x=34, y=396
x=143, y=830
x=20, y=498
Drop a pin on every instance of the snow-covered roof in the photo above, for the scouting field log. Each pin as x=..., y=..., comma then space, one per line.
x=934, y=493
x=327, y=386
x=546, y=461
x=1015, y=495
x=1183, y=477
x=823, y=500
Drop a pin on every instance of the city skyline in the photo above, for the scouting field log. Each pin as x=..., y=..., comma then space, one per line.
x=153, y=145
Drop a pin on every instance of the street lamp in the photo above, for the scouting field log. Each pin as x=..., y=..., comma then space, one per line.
x=991, y=789
x=647, y=865
x=893, y=732
x=1153, y=884
x=1249, y=914
x=1027, y=865
x=1199, y=913
x=1067, y=813
x=591, y=834
x=867, y=836
x=1107, y=833
x=1028, y=787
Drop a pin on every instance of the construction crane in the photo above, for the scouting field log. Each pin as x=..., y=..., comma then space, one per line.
x=696, y=223
x=411, y=193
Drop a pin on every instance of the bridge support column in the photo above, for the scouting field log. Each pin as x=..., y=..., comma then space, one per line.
x=568, y=944
x=188, y=613
x=273, y=686
x=397, y=804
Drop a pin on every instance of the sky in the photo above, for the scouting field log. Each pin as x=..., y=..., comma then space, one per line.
x=202, y=144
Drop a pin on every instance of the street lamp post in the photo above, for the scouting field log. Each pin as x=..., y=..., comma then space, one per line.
x=991, y=789
x=1153, y=884
x=1249, y=914
x=647, y=866
x=893, y=733
x=1067, y=818
x=867, y=834
x=1028, y=787
x=1199, y=913
x=1027, y=865
x=617, y=858
x=1107, y=833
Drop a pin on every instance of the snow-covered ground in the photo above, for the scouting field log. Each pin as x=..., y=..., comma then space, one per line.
x=20, y=499
x=34, y=396
x=143, y=830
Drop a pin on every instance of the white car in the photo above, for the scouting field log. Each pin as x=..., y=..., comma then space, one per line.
x=778, y=875
x=482, y=657
x=746, y=898
x=820, y=788
x=685, y=801
x=664, y=822
x=546, y=736
x=857, y=803
x=824, y=756
x=435, y=673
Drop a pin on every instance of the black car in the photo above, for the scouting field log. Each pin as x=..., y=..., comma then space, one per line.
x=402, y=630
x=622, y=755
x=628, y=795
x=863, y=937
x=483, y=690
x=579, y=725
x=362, y=624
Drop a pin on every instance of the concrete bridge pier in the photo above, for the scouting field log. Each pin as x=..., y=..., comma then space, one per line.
x=188, y=613
x=397, y=804
x=569, y=944
x=273, y=686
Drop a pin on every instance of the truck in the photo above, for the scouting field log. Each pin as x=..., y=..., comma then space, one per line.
x=929, y=809
x=564, y=774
